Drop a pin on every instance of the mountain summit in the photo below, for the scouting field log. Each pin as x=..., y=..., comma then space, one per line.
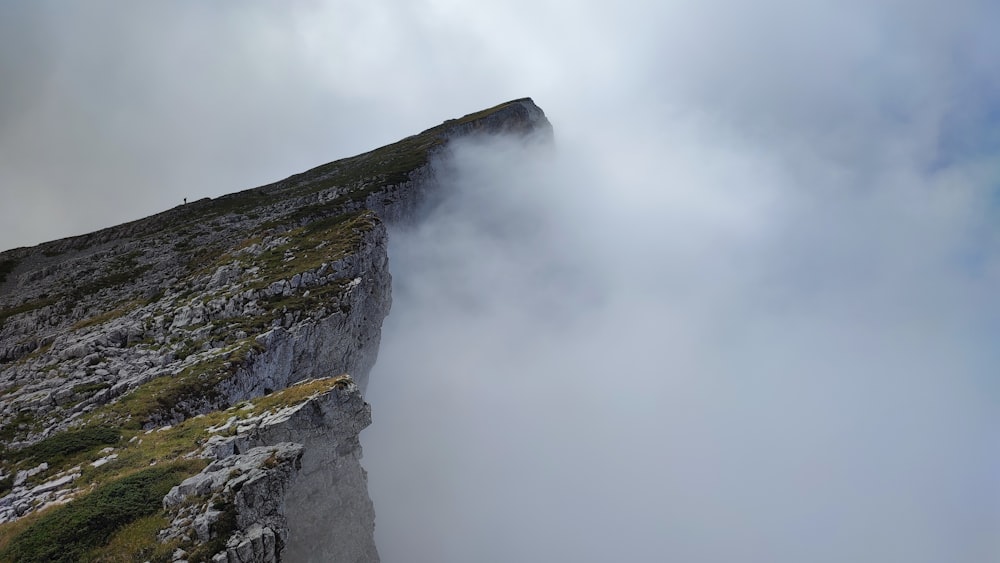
x=176, y=388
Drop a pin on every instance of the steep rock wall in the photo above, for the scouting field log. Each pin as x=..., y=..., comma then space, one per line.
x=344, y=341
x=189, y=312
x=293, y=481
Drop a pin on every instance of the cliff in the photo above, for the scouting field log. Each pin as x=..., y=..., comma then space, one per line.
x=179, y=379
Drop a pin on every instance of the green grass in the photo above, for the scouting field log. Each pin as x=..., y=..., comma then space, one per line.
x=106, y=316
x=159, y=398
x=136, y=541
x=90, y=388
x=164, y=445
x=323, y=240
x=67, y=534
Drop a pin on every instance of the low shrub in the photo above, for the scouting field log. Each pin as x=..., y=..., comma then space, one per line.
x=59, y=446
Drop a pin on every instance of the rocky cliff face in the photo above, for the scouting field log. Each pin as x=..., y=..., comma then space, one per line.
x=195, y=356
x=290, y=479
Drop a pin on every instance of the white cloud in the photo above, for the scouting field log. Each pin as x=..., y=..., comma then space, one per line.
x=685, y=345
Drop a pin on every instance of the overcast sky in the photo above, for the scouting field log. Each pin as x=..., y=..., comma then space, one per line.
x=114, y=110
x=745, y=312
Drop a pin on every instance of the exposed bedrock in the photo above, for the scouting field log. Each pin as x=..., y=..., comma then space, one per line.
x=200, y=312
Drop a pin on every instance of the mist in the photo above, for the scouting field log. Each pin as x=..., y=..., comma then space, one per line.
x=688, y=347
x=744, y=310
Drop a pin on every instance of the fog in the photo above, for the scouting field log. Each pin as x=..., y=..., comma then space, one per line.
x=744, y=310
x=682, y=349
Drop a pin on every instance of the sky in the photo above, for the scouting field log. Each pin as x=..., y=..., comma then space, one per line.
x=743, y=310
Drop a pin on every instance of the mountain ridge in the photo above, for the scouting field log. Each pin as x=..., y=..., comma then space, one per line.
x=182, y=324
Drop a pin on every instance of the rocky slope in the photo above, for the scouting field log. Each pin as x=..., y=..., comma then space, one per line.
x=172, y=351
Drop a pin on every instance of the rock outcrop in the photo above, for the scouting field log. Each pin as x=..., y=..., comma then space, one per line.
x=292, y=479
x=122, y=348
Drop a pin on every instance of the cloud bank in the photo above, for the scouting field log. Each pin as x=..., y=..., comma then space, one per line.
x=689, y=347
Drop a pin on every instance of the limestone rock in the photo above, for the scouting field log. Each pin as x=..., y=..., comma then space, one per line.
x=262, y=475
x=196, y=309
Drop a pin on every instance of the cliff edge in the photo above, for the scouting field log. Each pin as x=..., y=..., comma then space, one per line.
x=172, y=389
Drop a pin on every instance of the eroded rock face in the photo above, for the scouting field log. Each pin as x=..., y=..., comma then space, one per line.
x=291, y=480
x=238, y=501
x=189, y=312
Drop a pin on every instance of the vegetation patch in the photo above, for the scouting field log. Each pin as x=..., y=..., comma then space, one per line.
x=203, y=256
x=358, y=176
x=58, y=447
x=7, y=266
x=323, y=240
x=156, y=446
x=107, y=316
x=477, y=115
x=279, y=305
x=136, y=541
x=13, y=428
x=164, y=395
x=362, y=175
x=67, y=533
x=122, y=270
x=236, y=203
x=90, y=388
x=299, y=392
x=26, y=307
x=61, y=451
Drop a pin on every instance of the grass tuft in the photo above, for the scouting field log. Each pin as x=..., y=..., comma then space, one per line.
x=137, y=541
